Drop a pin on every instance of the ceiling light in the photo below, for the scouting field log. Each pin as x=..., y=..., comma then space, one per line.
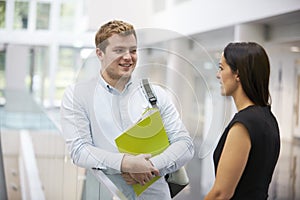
x=295, y=49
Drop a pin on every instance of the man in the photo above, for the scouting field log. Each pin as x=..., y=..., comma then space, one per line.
x=96, y=111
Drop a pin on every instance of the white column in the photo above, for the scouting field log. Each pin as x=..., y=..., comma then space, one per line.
x=53, y=52
x=54, y=16
x=9, y=15
x=32, y=15
x=180, y=78
x=249, y=33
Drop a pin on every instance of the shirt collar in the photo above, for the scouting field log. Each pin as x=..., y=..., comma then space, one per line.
x=110, y=88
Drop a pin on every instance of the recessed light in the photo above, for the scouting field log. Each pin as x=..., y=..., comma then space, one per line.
x=295, y=49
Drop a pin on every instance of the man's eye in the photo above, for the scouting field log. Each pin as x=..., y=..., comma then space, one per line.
x=119, y=50
x=133, y=51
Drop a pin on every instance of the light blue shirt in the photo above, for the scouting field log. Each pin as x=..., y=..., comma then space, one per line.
x=93, y=114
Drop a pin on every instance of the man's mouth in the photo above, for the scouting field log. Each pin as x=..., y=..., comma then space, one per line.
x=125, y=65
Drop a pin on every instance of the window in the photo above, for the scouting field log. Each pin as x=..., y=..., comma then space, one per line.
x=66, y=72
x=42, y=16
x=21, y=15
x=67, y=16
x=2, y=14
x=40, y=76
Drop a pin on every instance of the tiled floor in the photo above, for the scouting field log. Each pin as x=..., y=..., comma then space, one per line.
x=285, y=183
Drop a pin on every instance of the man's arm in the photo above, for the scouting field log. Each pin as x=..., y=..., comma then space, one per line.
x=76, y=131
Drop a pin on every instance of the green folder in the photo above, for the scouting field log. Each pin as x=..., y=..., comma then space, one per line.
x=147, y=136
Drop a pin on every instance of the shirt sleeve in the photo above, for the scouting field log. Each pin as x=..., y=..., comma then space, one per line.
x=77, y=133
x=181, y=149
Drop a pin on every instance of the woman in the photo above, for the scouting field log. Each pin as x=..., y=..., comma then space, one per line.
x=248, y=150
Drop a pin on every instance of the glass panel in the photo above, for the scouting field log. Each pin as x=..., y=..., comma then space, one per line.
x=40, y=73
x=2, y=69
x=66, y=71
x=42, y=15
x=67, y=15
x=99, y=186
x=21, y=15
x=2, y=14
x=3, y=193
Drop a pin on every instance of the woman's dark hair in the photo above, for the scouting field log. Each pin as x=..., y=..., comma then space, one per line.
x=250, y=61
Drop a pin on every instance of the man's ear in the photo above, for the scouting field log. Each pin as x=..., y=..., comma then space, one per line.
x=99, y=53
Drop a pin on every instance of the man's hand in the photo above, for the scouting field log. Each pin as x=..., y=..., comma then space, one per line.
x=129, y=179
x=138, y=164
x=137, y=178
x=141, y=178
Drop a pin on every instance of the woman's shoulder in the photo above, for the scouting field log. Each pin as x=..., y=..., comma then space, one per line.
x=253, y=115
x=251, y=111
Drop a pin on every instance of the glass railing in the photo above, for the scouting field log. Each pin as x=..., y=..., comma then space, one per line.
x=98, y=187
x=55, y=174
x=3, y=193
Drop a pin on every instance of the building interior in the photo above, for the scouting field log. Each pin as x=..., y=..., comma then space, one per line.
x=46, y=45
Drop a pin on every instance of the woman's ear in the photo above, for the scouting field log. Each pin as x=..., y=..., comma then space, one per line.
x=237, y=76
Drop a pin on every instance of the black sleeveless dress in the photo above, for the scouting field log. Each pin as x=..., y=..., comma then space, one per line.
x=265, y=146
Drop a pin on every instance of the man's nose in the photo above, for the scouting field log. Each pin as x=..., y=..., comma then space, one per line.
x=127, y=55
